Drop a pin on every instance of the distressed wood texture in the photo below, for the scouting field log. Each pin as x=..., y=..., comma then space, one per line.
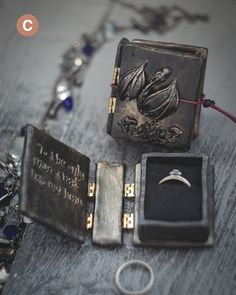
x=108, y=204
x=46, y=263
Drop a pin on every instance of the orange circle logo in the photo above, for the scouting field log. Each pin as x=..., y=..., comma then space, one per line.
x=27, y=25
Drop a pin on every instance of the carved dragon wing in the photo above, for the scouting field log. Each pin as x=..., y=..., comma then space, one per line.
x=132, y=83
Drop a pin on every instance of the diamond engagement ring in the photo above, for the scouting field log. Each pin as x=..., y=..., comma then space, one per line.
x=175, y=175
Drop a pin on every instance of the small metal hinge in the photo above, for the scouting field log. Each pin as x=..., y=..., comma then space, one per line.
x=89, y=221
x=112, y=105
x=116, y=75
x=129, y=190
x=128, y=220
x=91, y=189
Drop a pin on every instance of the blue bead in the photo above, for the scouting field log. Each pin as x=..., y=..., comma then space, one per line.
x=3, y=191
x=68, y=103
x=10, y=232
x=88, y=49
x=23, y=130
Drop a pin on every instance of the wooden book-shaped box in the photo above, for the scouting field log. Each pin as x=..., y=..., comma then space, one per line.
x=149, y=81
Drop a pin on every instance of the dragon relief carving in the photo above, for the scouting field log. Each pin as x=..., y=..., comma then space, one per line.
x=155, y=100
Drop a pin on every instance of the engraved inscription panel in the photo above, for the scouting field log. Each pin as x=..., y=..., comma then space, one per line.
x=54, y=184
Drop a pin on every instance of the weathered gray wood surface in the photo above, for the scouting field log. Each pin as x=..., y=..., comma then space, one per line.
x=48, y=264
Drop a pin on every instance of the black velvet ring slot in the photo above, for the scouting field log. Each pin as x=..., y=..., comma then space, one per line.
x=172, y=213
x=173, y=200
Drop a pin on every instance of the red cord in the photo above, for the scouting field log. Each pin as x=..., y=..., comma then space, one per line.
x=209, y=103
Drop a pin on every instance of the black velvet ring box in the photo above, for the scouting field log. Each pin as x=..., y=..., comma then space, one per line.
x=172, y=213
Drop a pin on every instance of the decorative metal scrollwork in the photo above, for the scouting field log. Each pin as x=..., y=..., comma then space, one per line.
x=150, y=131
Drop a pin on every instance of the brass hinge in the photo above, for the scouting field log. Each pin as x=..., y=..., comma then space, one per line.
x=129, y=190
x=116, y=75
x=112, y=105
x=91, y=189
x=89, y=221
x=128, y=220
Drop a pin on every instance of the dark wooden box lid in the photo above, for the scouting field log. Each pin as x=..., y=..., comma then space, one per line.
x=54, y=184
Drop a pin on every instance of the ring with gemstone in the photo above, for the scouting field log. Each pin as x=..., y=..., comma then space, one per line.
x=175, y=175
